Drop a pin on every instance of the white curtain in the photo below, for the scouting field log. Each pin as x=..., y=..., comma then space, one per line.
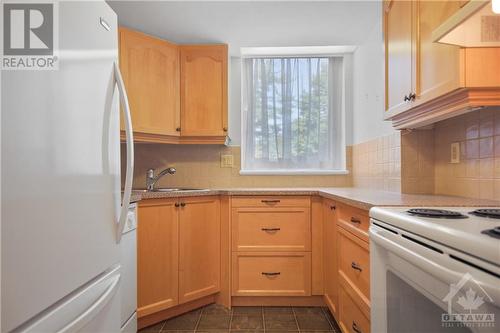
x=292, y=114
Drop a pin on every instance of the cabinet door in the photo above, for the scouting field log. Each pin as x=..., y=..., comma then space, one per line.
x=330, y=255
x=204, y=90
x=438, y=65
x=150, y=69
x=199, y=248
x=399, y=45
x=157, y=257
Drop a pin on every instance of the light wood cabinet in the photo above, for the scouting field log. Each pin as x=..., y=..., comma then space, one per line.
x=271, y=274
x=399, y=46
x=352, y=318
x=177, y=94
x=157, y=256
x=204, y=90
x=178, y=252
x=150, y=69
x=426, y=81
x=199, y=247
x=330, y=255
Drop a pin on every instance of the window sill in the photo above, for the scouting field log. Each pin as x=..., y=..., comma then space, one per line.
x=310, y=172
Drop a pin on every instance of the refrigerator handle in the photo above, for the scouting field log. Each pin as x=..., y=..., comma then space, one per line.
x=130, y=152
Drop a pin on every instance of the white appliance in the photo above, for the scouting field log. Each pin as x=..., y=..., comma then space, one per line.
x=62, y=211
x=128, y=287
x=436, y=272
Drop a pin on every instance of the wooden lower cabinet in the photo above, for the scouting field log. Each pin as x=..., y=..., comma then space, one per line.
x=199, y=248
x=352, y=318
x=157, y=256
x=330, y=255
x=272, y=274
x=178, y=251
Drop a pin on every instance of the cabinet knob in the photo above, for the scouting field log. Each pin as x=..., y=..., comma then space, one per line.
x=333, y=207
x=412, y=96
x=176, y=204
x=406, y=99
x=183, y=204
x=178, y=129
x=224, y=129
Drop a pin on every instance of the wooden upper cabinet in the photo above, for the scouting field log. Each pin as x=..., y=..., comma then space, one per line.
x=150, y=69
x=427, y=81
x=177, y=94
x=438, y=65
x=199, y=247
x=204, y=90
x=399, y=46
x=157, y=256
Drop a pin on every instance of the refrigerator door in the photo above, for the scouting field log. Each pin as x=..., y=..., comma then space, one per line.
x=61, y=168
x=91, y=308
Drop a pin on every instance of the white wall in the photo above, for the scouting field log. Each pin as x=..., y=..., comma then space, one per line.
x=368, y=109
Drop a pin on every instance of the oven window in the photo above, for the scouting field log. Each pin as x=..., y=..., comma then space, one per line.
x=408, y=311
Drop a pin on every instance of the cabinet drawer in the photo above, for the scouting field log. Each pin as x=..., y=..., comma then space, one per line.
x=354, y=219
x=352, y=318
x=354, y=262
x=271, y=201
x=271, y=274
x=271, y=229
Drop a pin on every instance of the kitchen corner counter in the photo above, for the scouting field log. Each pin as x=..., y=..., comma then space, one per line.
x=357, y=197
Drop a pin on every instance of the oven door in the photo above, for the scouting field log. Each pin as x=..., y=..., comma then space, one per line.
x=421, y=286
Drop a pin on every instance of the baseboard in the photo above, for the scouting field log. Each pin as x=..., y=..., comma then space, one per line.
x=277, y=301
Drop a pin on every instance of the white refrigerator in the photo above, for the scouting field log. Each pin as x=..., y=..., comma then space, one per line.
x=62, y=208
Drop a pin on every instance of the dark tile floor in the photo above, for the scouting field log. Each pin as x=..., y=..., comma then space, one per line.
x=217, y=319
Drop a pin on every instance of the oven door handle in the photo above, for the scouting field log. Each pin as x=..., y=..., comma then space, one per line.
x=445, y=274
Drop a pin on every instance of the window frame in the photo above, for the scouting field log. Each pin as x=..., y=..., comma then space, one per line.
x=347, y=72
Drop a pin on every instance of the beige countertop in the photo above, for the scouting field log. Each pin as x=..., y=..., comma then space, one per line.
x=358, y=197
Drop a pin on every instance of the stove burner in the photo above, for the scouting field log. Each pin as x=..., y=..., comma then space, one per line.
x=436, y=213
x=495, y=232
x=493, y=213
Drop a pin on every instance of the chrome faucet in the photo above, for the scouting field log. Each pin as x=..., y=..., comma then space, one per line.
x=151, y=179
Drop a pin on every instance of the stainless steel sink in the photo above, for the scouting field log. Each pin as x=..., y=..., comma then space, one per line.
x=177, y=189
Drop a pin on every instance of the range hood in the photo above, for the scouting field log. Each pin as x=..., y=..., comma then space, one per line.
x=474, y=25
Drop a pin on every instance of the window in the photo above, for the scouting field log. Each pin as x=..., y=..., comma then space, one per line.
x=293, y=115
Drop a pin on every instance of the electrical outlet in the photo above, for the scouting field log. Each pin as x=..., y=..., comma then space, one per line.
x=455, y=153
x=226, y=161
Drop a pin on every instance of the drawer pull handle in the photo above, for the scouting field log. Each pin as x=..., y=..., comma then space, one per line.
x=271, y=273
x=333, y=207
x=356, y=266
x=355, y=328
x=270, y=201
x=355, y=220
x=270, y=229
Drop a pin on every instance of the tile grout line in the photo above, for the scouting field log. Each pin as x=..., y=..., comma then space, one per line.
x=230, y=319
x=263, y=319
x=295, y=317
x=198, y=321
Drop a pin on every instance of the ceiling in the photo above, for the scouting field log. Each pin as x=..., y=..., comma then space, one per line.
x=253, y=23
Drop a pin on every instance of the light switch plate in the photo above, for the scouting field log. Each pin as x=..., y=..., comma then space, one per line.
x=226, y=161
x=455, y=153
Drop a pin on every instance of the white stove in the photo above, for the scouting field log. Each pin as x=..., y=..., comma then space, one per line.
x=459, y=229
x=435, y=269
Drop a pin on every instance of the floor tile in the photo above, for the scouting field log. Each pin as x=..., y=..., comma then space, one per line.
x=247, y=310
x=315, y=322
x=216, y=309
x=277, y=310
x=303, y=310
x=280, y=322
x=186, y=321
x=213, y=322
x=153, y=328
x=244, y=322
